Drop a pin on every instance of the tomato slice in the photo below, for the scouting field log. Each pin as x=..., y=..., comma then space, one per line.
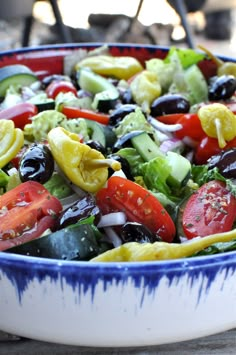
x=171, y=118
x=20, y=113
x=211, y=210
x=22, y=209
x=139, y=205
x=75, y=112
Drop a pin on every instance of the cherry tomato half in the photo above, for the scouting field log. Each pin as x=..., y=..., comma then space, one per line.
x=208, y=147
x=211, y=210
x=56, y=87
x=138, y=204
x=191, y=127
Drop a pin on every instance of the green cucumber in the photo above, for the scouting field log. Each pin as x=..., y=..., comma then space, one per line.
x=77, y=242
x=197, y=88
x=180, y=169
x=15, y=74
x=105, y=93
x=100, y=133
x=145, y=146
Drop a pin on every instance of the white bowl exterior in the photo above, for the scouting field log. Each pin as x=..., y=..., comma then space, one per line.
x=118, y=305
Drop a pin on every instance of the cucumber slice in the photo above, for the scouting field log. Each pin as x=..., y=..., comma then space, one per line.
x=145, y=146
x=106, y=94
x=16, y=74
x=71, y=243
x=180, y=169
x=101, y=134
x=197, y=88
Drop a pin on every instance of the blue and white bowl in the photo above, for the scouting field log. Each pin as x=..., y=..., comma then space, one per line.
x=113, y=304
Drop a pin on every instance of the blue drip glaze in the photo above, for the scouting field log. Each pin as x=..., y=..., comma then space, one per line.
x=84, y=277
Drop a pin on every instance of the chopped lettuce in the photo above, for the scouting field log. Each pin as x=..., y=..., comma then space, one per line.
x=134, y=159
x=217, y=248
x=69, y=99
x=134, y=121
x=155, y=174
x=187, y=57
x=57, y=187
x=202, y=174
x=44, y=121
x=164, y=71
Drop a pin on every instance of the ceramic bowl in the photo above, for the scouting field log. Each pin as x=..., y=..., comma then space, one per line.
x=113, y=304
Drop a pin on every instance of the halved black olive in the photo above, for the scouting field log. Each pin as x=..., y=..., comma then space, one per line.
x=81, y=209
x=221, y=87
x=120, y=112
x=124, y=166
x=168, y=104
x=137, y=232
x=124, y=140
x=225, y=162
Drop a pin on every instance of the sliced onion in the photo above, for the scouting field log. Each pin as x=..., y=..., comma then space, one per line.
x=113, y=237
x=164, y=127
x=171, y=145
x=112, y=219
x=12, y=171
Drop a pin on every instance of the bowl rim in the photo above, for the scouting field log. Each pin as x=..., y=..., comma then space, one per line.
x=221, y=259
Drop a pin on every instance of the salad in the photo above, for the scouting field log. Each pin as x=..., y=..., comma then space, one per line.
x=118, y=160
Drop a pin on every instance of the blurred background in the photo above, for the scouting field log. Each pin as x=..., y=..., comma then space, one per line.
x=108, y=21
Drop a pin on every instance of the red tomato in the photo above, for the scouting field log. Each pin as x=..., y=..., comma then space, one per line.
x=76, y=112
x=172, y=118
x=56, y=87
x=22, y=209
x=211, y=210
x=20, y=113
x=208, y=147
x=139, y=205
x=191, y=127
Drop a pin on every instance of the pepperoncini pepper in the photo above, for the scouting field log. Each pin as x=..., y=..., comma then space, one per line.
x=218, y=122
x=118, y=67
x=11, y=141
x=84, y=166
x=145, y=88
x=134, y=251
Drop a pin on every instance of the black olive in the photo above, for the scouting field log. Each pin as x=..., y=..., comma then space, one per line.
x=36, y=164
x=96, y=145
x=124, y=140
x=136, y=232
x=81, y=209
x=124, y=166
x=225, y=162
x=168, y=104
x=221, y=87
x=126, y=96
x=120, y=112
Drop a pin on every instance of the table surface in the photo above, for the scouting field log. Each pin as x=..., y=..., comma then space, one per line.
x=219, y=344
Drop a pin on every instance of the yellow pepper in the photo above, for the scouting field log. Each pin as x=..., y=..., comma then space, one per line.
x=11, y=141
x=82, y=165
x=218, y=122
x=118, y=67
x=134, y=251
x=145, y=88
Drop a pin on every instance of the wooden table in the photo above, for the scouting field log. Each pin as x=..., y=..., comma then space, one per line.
x=219, y=344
